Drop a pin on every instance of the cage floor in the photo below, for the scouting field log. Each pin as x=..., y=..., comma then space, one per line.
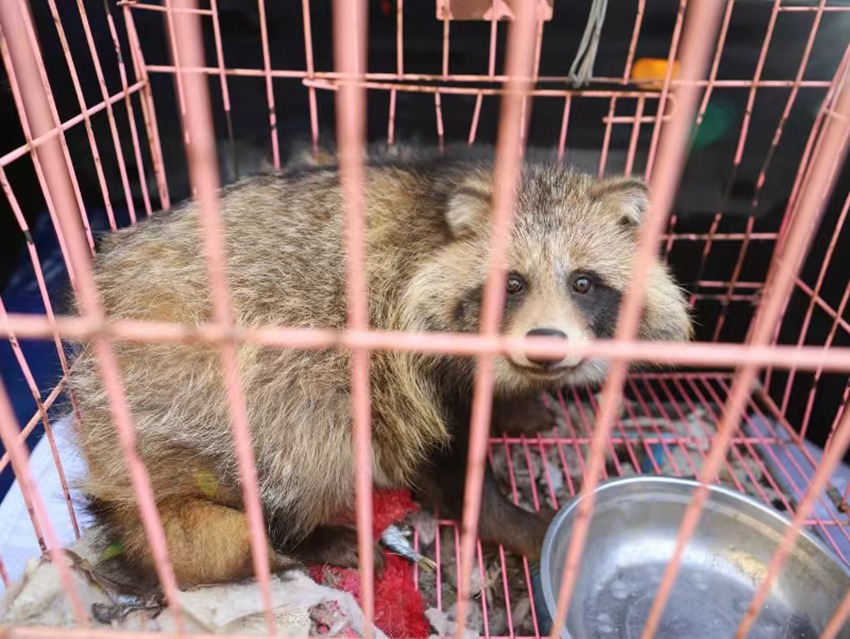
x=665, y=426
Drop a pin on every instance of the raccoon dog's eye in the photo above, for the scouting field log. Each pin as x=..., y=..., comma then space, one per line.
x=582, y=284
x=515, y=284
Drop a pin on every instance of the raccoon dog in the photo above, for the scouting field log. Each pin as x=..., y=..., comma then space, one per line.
x=428, y=225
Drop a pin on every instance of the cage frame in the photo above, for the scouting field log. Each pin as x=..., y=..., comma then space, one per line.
x=700, y=30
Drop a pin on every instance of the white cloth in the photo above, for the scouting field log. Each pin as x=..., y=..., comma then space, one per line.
x=18, y=541
x=300, y=607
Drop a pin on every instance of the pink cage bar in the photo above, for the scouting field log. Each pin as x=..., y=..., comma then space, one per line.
x=741, y=388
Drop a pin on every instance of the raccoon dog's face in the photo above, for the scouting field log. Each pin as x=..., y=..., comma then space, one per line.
x=568, y=261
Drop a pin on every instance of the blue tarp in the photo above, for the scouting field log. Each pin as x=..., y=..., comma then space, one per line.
x=21, y=295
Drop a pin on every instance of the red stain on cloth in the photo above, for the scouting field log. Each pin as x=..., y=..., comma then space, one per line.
x=399, y=611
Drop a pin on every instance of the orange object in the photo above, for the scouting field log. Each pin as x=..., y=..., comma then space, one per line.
x=650, y=72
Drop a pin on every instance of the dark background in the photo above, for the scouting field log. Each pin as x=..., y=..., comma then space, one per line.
x=710, y=184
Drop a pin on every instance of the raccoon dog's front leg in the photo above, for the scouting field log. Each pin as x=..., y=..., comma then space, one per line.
x=500, y=521
x=526, y=416
x=333, y=545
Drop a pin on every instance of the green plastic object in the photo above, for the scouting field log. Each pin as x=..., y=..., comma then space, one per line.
x=716, y=122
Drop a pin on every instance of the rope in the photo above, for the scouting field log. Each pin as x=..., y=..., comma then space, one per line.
x=582, y=68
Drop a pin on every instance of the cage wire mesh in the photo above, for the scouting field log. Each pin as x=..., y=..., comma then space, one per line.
x=737, y=113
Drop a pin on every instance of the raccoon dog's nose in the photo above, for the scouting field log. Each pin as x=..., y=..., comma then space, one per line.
x=545, y=360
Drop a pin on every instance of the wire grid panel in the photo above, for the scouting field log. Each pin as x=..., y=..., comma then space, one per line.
x=707, y=425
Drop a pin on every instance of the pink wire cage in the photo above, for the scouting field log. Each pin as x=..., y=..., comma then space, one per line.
x=742, y=389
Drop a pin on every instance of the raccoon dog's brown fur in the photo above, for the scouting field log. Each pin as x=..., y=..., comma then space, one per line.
x=428, y=224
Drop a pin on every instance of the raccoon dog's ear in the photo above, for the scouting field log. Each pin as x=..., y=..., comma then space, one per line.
x=625, y=196
x=468, y=207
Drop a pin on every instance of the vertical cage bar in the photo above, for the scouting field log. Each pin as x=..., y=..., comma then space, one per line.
x=131, y=116
x=399, y=68
x=635, y=136
x=789, y=102
x=519, y=65
x=178, y=79
x=311, y=91
x=810, y=401
x=502, y=561
x=726, y=299
x=438, y=106
x=350, y=33
x=438, y=116
x=715, y=65
x=700, y=27
x=565, y=120
x=225, y=90
x=665, y=89
x=148, y=109
x=627, y=69
x=201, y=153
x=267, y=66
x=606, y=139
x=751, y=96
x=491, y=71
x=839, y=415
x=706, y=97
x=446, y=33
x=535, y=72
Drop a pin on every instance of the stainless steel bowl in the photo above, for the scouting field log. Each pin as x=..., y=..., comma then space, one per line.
x=633, y=535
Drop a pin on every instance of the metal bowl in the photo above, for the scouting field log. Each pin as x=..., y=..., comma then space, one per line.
x=632, y=537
